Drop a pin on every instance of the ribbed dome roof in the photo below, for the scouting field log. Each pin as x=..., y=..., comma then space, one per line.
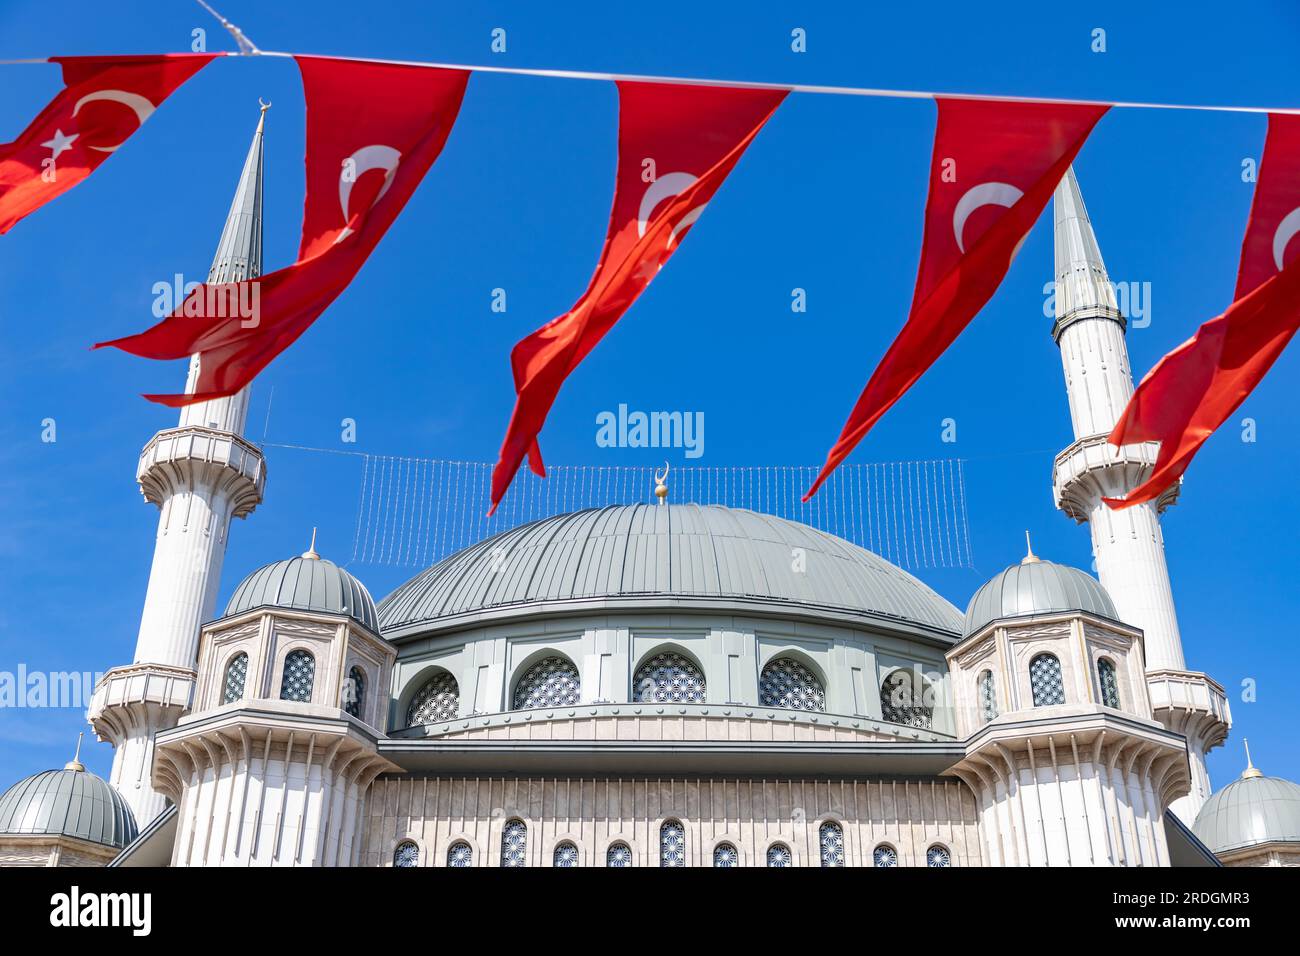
x=305, y=584
x=1037, y=587
x=72, y=803
x=1250, y=810
x=651, y=550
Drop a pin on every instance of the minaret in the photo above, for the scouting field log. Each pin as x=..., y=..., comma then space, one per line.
x=200, y=475
x=1127, y=545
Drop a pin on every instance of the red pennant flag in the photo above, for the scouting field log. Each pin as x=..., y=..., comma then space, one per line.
x=994, y=168
x=676, y=144
x=1193, y=389
x=105, y=99
x=373, y=131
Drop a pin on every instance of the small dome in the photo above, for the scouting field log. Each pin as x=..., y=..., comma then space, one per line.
x=306, y=583
x=73, y=803
x=1037, y=587
x=1252, y=809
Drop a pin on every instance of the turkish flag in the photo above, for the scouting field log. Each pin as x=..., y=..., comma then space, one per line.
x=994, y=167
x=1193, y=389
x=104, y=100
x=676, y=144
x=373, y=131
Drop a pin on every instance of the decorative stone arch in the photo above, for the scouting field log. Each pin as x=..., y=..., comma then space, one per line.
x=928, y=690
x=786, y=839
x=313, y=648
x=690, y=830
x=888, y=844
x=415, y=685
x=800, y=656
x=497, y=827
x=1024, y=650
x=628, y=840
x=567, y=836
x=368, y=712
x=446, y=843
x=528, y=662
x=729, y=837
x=420, y=845
x=816, y=824
x=940, y=845
x=665, y=647
x=223, y=666
x=1108, y=657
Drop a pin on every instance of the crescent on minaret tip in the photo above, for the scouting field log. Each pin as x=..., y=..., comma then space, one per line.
x=661, y=489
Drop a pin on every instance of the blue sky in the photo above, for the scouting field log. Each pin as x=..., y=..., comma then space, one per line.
x=829, y=198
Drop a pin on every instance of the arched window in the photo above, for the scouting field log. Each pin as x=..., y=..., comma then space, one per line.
x=551, y=682
x=938, y=855
x=778, y=854
x=787, y=683
x=299, y=675
x=671, y=678
x=672, y=844
x=618, y=855
x=514, y=844
x=726, y=855
x=236, y=674
x=566, y=855
x=354, y=691
x=900, y=703
x=406, y=854
x=988, y=697
x=884, y=855
x=1109, y=684
x=1045, y=681
x=438, y=699
x=460, y=854
x=832, y=841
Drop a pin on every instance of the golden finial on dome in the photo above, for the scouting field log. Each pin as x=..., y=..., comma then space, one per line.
x=1030, y=557
x=661, y=489
x=1251, y=770
x=75, y=763
x=310, y=554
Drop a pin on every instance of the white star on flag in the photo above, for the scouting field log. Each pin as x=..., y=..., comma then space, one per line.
x=59, y=143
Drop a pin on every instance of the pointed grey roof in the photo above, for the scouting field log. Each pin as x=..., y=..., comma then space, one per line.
x=1037, y=587
x=239, y=253
x=67, y=802
x=1083, y=289
x=305, y=584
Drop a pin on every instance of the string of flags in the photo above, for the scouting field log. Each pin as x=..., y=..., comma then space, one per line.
x=374, y=128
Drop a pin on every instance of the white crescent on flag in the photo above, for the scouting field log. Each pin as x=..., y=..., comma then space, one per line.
x=138, y=104
x=376, y=156
x=985, y=194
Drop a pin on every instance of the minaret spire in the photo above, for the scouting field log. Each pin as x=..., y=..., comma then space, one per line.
x=200, y=475
x=1127, y=545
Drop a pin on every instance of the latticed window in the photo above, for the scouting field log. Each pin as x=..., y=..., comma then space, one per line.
x=1109, y=683
x=884, y=855
x=618, y=855
x=938, y=856
x=514, y=844
x=669, y=677
x=900, y=703
x=726, y=855
x=438, y=699
x=406, y=854
x=236, y=674
x=787, y=683
x=299, y=674
x=460, y=854
x=672, y=844
x=832, y=842
x=778, y=854
x=551, y=682
x=1045, y=681
x=354, y=689
x=566, y=855
x=988, y=697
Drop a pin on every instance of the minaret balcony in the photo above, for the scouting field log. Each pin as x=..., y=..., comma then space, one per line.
x=192, y=456
x=1091, y=469
x=139, y=697
x=1192, y=704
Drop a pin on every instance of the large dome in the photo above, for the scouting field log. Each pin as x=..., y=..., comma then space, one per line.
x=1037, y=587
x=69, y=802
x=1252, y=809
x=622, y=553
x=305, y=584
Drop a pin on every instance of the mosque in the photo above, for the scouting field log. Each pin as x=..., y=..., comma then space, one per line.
x=658, y=684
